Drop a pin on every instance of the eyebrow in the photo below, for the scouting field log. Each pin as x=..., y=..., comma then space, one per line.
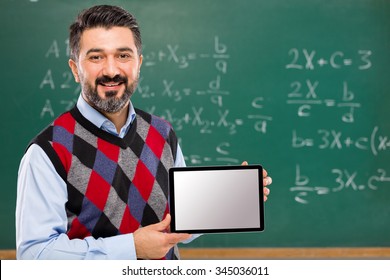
x=123, y=49
x=126, y=49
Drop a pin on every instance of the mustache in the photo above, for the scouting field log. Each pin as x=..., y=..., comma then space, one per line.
x=107, y=79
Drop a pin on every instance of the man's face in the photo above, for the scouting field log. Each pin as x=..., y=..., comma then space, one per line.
x=108, y=67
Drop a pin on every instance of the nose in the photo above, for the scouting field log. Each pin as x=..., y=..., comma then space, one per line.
x=111, y=68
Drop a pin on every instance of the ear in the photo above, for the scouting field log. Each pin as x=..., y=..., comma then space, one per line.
x=73, y=66
x=141, y=57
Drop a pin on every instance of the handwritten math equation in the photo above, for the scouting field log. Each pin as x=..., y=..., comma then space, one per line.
x=213, y=117
x=303, y=59
x=375, y=142
x=306, y=99
x=173, y=54
x=343, y=180
x=304, y=94
x=222, y=152
x=309, y=94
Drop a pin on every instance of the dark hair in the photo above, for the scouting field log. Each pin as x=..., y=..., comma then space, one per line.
x=102, y=16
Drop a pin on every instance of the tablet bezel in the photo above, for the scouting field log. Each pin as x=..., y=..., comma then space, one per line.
x=173, y=170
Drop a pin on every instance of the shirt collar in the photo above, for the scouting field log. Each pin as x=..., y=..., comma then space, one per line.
x=101, y=121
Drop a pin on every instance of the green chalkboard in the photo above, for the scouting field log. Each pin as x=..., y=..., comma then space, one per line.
x=300, y=86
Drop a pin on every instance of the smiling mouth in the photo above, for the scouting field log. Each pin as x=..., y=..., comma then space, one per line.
x=110, y=84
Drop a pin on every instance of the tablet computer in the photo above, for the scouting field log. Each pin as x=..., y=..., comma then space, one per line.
x=216, y=199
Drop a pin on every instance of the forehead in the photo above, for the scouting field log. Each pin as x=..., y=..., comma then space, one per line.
x=107, y=39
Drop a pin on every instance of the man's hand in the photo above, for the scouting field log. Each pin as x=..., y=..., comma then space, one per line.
x=154, y=241
x=266, y=182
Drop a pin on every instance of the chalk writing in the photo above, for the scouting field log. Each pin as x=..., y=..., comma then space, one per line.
x=306, y=100
x=223, y=156
x=375, y=142
x=173, y=54
x=308, y=60
x=177, y=94
x=343, y=180
x=206, y=121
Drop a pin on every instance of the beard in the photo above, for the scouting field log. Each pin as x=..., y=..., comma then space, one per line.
x=111, y=104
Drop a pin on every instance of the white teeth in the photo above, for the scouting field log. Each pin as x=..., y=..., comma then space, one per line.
x=111, y=85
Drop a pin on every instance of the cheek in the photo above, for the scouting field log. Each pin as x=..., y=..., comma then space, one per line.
x=86, y=81
x=132, y=74
x=89, y=74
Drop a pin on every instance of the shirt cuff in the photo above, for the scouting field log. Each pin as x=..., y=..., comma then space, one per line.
x=120, y=247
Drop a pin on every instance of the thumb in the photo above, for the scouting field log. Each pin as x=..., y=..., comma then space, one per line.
x=163, y=225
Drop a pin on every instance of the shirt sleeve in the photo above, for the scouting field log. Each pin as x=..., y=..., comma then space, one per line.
x=179, y=162
x=41, y=219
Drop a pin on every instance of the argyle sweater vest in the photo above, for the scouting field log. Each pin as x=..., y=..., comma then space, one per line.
x=115, y=185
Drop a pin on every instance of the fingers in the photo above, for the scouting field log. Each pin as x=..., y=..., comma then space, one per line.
x=174, y=238
x=163, y=225
x=265, y=173
x=267, y=181
x=166, y=222
x=153, y=242
x=266, y=193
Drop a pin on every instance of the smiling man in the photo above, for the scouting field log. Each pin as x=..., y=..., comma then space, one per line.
x=107, y=64
x=94, y=183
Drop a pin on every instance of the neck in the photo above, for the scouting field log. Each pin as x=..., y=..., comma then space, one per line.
x=119, y=118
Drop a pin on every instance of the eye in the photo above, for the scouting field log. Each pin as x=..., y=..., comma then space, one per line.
x=124, y=56
x=95, y=58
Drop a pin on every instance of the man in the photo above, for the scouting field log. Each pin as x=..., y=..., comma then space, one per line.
x=93, y=185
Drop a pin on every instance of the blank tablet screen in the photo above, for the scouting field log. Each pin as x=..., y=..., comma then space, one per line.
x=216, y=199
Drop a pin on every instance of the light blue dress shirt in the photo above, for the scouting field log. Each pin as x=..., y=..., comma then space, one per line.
x=41, y=220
